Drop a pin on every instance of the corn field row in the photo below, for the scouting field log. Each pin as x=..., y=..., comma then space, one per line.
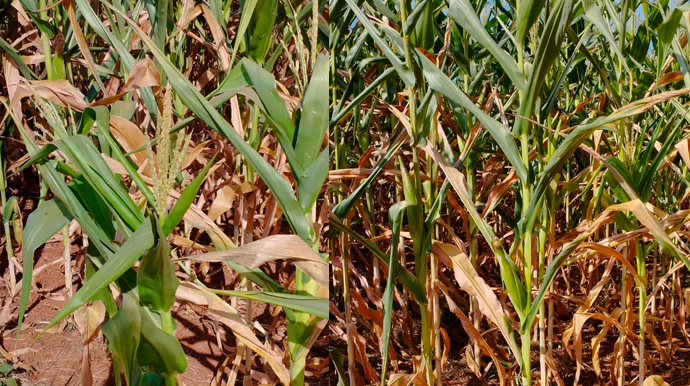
x=497, y=189
x=509, y=190
x=179, y=152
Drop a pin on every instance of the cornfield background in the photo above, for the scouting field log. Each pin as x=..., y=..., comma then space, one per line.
x=509, y=192
x=506, y=200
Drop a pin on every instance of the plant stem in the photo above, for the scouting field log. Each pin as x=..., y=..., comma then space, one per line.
x=527, y=259
x=422, y=271
x=45, y=42
x=527, y=237
x=624, y=317
x=254, y=139
x=351, y=370
x=642, y=273
x=421, y=254
x=6, y=224
x=68, y=261
x=167, y=325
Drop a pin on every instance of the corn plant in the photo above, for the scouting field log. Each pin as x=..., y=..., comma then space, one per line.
x=121, y=187
x=525, y=137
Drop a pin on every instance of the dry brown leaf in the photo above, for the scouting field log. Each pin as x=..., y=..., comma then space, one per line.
x=143, y=74
x=82, y=43
x=194, y=153
x=655, y=380
x=406, y=380
x=60, y=92
x=473, y=284
x=276, y=247
x=475, y=335
x=227, y=315
x=187, y=243
x=130, y=137
x=683, y=148
x=596, y=345
x=88, y=319
x=498, y=191
x=12, y=80
x=223, y=201
x=218, y=38
x=363, y=358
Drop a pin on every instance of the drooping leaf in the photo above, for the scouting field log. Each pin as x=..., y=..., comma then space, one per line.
x=276, y=247
x=309, y=304
x=443, y=85
x=140, y=241
x=48, y=218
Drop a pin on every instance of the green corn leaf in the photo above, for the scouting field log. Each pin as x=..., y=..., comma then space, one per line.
x=261, y=27
x=10, y=209
x=337, y=359
x=185, y=201
x=527, y=16
x=414, y=210
x=462, y=12
x=31, y=6
x=94, y=204
x=124, y=332
x=151, y=379
x=566, y=149
x=101, y=116
x=408, y=280
x=55, y=181
x=341, y=210
x=595, y=15
x=200, y=106
x=247, y=13
x=443, y=85
x=81, y=152
x=160, y=25
x=314, y=115
x=42, y=224
x=263, y=83
x=39, y=157
x=159, y=349
x=17, y=59
x=156, y=280
x=395, y=215
x=140, y=241
x=311, y=181
x=309, y=304
x=668, y=28
x=405, y=73
x=548, y=50
x=423, y=35
x=256, y=276
x=360, y=97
